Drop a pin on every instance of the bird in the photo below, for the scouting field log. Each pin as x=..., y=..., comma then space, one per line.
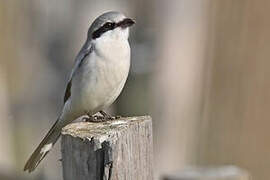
x=98, y=76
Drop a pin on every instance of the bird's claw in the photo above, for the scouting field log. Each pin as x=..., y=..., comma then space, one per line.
x=97, y=119
x=103, y=118
x=117, y=117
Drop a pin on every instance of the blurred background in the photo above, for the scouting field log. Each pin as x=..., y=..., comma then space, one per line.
x=200, y=68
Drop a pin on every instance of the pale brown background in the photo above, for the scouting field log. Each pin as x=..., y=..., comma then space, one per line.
x=200, y=68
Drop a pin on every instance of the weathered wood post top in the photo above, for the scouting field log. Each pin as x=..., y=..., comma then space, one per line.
x=120, y=149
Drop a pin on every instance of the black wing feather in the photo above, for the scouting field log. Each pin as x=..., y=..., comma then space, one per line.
x=68, y=91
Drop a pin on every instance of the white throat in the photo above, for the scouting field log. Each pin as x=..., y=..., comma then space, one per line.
x=116, y=34
x=113, y=45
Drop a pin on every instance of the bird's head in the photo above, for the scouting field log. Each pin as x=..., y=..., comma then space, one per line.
x=110, y=25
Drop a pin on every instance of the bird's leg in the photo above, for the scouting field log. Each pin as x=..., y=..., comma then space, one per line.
x=106, y=115
x=95, y=118
x=90, y=118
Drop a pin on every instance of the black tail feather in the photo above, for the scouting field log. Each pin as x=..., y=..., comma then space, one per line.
x=43, y=148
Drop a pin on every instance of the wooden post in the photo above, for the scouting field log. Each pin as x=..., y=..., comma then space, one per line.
x=209, y=173
x=121, y=149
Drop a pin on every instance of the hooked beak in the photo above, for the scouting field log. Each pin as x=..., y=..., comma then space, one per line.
x=126, y=23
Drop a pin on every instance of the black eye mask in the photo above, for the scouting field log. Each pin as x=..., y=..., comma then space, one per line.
x=110, y=26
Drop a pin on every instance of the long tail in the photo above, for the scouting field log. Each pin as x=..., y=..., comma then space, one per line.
x=44, y=147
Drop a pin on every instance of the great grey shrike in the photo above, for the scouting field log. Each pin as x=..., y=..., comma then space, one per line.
x=97, y=78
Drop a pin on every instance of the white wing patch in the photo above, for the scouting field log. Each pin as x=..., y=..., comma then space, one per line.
x=46, y=148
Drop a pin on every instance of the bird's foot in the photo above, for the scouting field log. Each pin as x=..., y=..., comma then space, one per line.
x=90, y=118
x=95, y=118
x=106, y=115
x=118, y=117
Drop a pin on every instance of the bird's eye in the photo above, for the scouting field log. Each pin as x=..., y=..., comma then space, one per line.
x=110, y=25
x=106, y=27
